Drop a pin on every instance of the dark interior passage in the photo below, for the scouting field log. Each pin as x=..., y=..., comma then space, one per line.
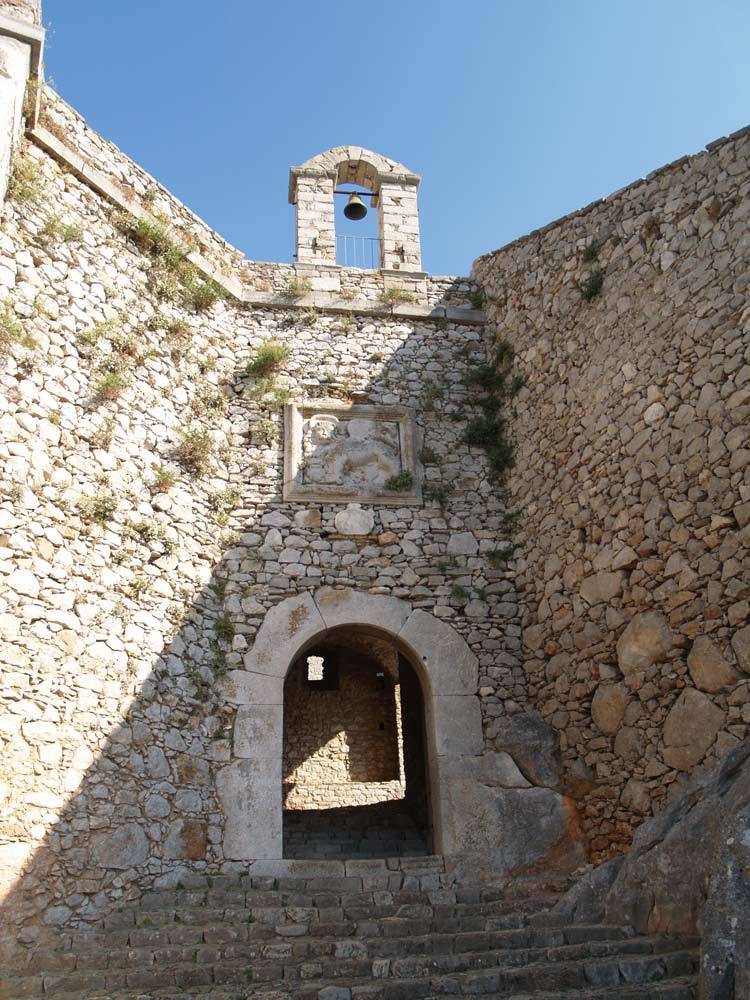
x=354, y=775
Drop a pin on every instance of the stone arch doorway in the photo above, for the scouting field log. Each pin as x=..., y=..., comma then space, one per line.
x=355, y=770
x=249, y=787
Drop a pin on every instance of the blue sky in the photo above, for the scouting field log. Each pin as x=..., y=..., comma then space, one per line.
x=515, y=111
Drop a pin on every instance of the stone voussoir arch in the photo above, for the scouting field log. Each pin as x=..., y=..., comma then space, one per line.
x=250, y=786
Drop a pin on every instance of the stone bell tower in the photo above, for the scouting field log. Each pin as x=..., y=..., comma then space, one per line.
x=394, y=195
x=21, y=49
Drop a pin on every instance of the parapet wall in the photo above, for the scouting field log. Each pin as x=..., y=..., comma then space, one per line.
x=631, y=325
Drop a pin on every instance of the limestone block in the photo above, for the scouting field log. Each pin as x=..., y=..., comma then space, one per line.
x=23, y=581
x=608, y=707
x=308, y=518
x=285, y=629
x=708, y=668
x=494, y=769
x=647, y=640
x=601, y=587
x=354, y=521
x=533, y=745
x=513, y=828
x=635, y=796
x=449, y=663
x=741, y=647
x=242, y=687
x=690, y=729
x=458, y=725
x=249, y=792
x=186, y=840
x=123, y=848
x=352, y=607
x=462, y=543
x=257, y=732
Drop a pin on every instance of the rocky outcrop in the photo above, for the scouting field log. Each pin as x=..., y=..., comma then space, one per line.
x=725, y=951
x=687, y=871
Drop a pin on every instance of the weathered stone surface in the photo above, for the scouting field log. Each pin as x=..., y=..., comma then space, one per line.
x=186, y=840
x=513, y=829
x=647, y=640
x=445, y=656
x=339, y=607
x=125, y=847
x=533, y=745
x=664, y=880
x=741, y=647
x=585, y=902
x=257, y=732
x=708, y=668
x=462, y=543
x=725, y=922
x=458, y=725
x=285, y=629
x=601, y=587
x=608, y=707
x=247, y=791
x=354, y=521
x=690, y=729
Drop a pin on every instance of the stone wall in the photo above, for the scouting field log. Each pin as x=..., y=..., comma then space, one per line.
x=143, y=538
x=632, y=478
x=342, y=747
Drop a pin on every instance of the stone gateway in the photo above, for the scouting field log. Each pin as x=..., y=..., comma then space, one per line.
x=349, y=615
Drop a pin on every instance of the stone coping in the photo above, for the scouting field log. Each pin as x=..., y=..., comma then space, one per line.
x=609, y=198
x=99, y=182
x=32, y=34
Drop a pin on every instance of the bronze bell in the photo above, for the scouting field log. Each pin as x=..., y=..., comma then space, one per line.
x=355, y=208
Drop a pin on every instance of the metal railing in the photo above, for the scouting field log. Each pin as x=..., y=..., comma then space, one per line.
x=358, y=251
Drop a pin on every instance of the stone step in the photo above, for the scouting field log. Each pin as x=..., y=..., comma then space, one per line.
x=681, y=988
x=207, y=927
x=163, y=948
x=613, y=976
x=479, y=974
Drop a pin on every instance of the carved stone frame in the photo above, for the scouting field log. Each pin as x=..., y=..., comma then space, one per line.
x=294, y=415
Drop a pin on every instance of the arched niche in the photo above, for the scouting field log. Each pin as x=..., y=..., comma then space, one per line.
x=394, y=186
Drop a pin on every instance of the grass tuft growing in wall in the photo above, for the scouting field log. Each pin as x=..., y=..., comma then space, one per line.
x=591, y=287
x=195, y=451
x=497, y=385
x=56, y=227
x=268, y=357
x=110, y=386
x=99, y=508
x=297, y=287
x=399, y=483
x=394, y=296
x=12, y=330
x=26, y=184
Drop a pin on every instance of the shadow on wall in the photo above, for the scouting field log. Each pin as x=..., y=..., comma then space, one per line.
x=139, y=807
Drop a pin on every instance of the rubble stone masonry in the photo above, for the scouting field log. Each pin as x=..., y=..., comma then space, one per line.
x=632, y=478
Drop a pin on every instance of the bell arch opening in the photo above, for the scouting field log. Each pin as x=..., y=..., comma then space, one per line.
x=355, y=759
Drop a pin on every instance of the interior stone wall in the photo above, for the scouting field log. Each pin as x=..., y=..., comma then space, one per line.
x=130, y=585
x=335, y=753
x=632, y=479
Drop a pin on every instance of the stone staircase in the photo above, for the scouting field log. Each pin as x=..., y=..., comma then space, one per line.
x=391, y=929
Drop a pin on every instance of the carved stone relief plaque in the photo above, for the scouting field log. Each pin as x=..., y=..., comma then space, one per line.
x=338, y=452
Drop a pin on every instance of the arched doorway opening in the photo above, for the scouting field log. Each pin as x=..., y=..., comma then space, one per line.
x=355, y=762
